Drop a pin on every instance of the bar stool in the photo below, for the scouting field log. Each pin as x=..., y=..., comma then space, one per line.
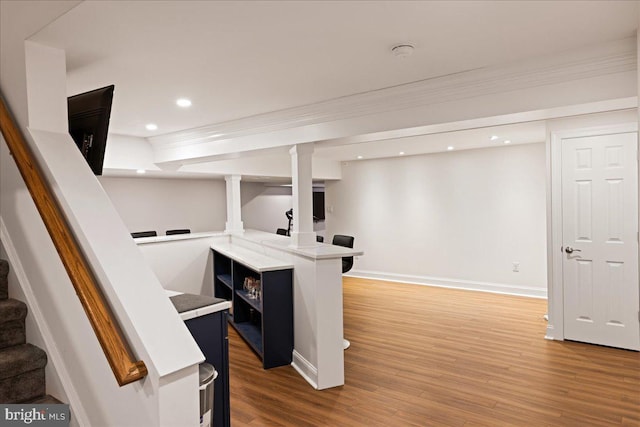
x=347, y=264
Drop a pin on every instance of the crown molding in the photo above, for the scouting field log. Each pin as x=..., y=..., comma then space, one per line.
x=611, y=58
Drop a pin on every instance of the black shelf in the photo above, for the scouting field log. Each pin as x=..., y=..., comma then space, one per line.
x=256, y=304
x=266, y=324
x=252, y=334
x=226, y=280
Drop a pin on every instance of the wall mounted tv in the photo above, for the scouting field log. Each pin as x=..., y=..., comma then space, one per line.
x=89, y=123
x=318, y=205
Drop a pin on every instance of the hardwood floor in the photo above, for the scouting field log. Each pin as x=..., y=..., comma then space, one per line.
x=423, y=356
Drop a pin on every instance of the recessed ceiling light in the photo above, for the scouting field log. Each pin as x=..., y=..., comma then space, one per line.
x=401, y=153
x=494, y=137
x=359, y=157
x=507, y=141
x=450, y=148
x=183, y=102
x=151, y=126
x=141, y=171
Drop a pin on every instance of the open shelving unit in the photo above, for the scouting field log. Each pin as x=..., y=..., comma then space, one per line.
x=223, y=282
x=266, y=324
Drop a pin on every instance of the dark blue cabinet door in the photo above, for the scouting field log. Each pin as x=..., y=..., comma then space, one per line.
x=210, y=332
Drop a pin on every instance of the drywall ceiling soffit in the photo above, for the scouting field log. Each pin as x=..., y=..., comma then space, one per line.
x=515, y=134
x=308, y=123
x=197, y=156
x=274, y=166
x=519, y=128
x=158, y=174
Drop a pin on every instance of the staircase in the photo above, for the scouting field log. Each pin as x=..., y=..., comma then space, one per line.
x=22, y=378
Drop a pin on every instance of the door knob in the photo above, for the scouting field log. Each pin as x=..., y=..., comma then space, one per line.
x=570, y=250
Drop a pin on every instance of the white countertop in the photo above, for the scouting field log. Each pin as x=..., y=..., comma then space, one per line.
x=175, y=237
x=318, y=251
x=202, y=311
x=252, y=259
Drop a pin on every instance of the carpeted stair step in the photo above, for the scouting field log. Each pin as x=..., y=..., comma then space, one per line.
x=22, y=373
x=12, y=314
x=45, y=400
x=4, y=281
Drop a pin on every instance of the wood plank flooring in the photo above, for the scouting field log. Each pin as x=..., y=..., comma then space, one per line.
x=424, y=356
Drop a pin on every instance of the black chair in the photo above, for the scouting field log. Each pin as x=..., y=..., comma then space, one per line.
x=347, y=263
x=347, y=242
x=178, y=231
x=144, y=234
x=281, y=231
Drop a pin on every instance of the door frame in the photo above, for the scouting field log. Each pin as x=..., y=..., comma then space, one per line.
x=555, y=256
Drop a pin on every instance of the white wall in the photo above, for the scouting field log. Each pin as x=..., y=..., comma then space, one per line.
x=455, y=218
x=151, y=325
x=128, y=152
x=264, y=207
x=164, y=204
x=183, y=265
x=13, y=83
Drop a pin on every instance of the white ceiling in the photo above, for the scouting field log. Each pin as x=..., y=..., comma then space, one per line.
x=236, y=59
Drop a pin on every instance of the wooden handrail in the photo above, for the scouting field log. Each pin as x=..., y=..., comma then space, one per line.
x=125, y=368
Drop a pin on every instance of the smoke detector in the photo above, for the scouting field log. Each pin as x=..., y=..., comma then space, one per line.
x=402, y=50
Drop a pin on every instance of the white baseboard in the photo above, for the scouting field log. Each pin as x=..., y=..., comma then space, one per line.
x=305, y=369
x=53, y=352
x=442, y=282
x=550, y=335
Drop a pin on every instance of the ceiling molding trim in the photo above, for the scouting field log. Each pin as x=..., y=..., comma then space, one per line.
x=612, y=58
x=619, y=104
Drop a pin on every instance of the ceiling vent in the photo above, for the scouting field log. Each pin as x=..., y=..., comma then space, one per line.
x=402, y=50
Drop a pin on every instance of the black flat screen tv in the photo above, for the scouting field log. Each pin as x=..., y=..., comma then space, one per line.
x=89, y=114
x=318, y=205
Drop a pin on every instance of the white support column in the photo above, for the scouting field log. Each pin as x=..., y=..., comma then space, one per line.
x=46, y=80
x=234, y=206
x=302, y=184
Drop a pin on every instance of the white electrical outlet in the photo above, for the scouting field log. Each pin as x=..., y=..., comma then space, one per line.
x=516, y=267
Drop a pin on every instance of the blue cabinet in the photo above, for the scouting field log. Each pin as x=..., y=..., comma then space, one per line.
x=210, y=332
x=266, y=324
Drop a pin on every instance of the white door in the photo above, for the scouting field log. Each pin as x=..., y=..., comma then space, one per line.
x=600, y=240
